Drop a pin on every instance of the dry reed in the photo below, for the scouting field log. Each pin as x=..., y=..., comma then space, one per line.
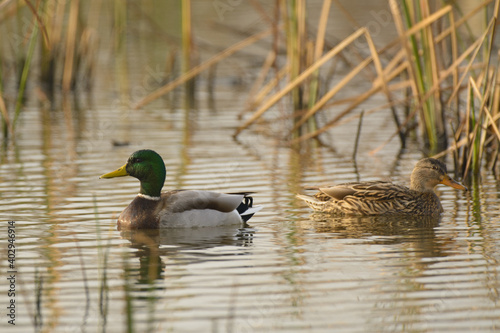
x=435, y=57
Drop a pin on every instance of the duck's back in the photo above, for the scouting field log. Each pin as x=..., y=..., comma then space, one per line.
x=191, y=209
x=378, y=198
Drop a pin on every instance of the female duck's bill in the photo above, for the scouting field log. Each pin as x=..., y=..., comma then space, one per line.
x=153, y=209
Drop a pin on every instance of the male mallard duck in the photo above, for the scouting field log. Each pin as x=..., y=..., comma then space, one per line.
x=378, y=197
x=152, y=209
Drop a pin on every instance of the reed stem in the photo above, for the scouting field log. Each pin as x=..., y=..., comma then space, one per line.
x=187, y=52
x=25, y=72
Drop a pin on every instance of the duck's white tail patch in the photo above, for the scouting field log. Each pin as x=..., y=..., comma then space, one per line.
x=251, y=210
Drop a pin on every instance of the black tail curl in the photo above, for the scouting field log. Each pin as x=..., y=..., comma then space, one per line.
x=244, y=206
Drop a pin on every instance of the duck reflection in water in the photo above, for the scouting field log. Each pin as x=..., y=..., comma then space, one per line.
x=420, y=231
x=154, y=245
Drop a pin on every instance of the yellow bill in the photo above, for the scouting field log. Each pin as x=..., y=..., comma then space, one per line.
x=121, y=172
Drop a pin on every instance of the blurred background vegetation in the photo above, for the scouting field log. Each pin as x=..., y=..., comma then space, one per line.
x=433, y=63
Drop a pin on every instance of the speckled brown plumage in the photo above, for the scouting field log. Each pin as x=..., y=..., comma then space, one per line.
x=380, y=198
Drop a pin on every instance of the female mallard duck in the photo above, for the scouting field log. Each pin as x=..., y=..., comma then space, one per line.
x=378, y=197
x=152, y=209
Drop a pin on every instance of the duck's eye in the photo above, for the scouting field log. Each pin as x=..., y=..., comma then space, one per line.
x=136, y=160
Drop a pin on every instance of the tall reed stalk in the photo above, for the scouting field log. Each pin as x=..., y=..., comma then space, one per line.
x=52, y=14
x=424, y=70
x=24, y=75
x=71, y=44
x=6, y=125
x=294, y=16
x=120, y=49
x=187, y=52
x=300, y=55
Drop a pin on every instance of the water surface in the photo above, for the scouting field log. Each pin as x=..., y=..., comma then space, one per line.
x=287, y=270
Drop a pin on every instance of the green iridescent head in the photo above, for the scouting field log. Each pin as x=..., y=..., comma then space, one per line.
x=147, y=166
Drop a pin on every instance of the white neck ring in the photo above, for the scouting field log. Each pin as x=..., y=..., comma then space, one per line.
x=148, y=197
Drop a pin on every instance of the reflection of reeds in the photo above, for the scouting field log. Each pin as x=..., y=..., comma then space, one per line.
x=102, y=254
x=38, y=317
x=127, y=289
